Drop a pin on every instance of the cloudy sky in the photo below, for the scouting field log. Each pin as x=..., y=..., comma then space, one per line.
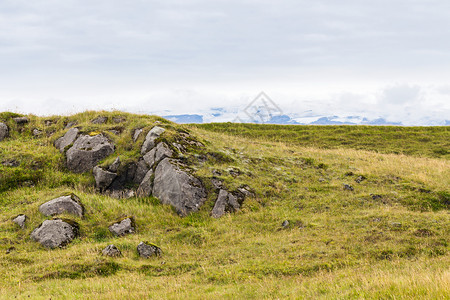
x=377, y=58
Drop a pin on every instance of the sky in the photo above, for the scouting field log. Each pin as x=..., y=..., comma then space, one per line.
x=379, y=58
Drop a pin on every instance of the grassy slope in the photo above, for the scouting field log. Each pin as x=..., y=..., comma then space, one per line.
x=340, y=244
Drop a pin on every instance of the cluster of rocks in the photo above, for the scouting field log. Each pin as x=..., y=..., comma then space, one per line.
x=59, y=232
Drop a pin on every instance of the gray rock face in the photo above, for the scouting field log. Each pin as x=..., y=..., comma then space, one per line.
x=152, y=135
x=111, y=251
x=178, y=188
x=67, y=139
x=141, y=171
x=225, y=202
x=103, y=178
x=146, y=186
x=87, y=151
x=147, y=251
x=66, y=204
x=4, y=131
x=115, y=165
x=20, y=220
x=21, y=120
x=162, y=151
x=55, y=233
x=124, y=227
x=136, y=134
x=149, y=158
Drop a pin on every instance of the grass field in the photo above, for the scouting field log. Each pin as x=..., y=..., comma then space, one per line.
x=386, y=239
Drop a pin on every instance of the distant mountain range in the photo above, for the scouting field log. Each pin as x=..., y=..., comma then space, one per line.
x=222, y=115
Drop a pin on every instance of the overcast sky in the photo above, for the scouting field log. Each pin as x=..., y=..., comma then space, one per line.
x=379, y=58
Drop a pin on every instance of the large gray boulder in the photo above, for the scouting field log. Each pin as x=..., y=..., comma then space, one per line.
x=103, y=178
x=148, y=250
x=4, y=131
x=158, y=153
x=66, y=204
x=55, y=233
x=87, y=151
x=124, y=227
x=67, y=139
x=226, y=202
x=152, y=135
x=146, y=186
x=176, y=187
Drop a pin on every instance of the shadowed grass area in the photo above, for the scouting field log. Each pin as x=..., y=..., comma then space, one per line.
x=385, y=238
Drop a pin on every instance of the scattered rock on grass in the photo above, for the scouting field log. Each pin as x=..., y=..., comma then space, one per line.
x=4, y=131
x=65, y=204
x=55, y=233
x=360, y=179
x=285, y=224
x=124, y=227
x=20, y=220
x=112, y=251
x=100, y=120
x=145, y=250
x=348, y=187
x=21, y=120
x=136, y=134
x=226, y=202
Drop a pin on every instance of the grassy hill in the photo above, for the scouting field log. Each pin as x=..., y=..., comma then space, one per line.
x=387, y=238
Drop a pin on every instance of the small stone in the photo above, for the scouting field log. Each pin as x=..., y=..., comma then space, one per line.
x=20, y=220
x=360, y=179
x=67, y=140
x=9, y=250
x=119, y=119
x=100, y=120
x=124, y=227
x=147, y=251
x=21, y=120
x=11, y=163
x=376, y=197
x=70, y=124
x=36, y=132
x=348, y=187
x=285, y=224
x=112, y=251
x=396, y=224
x=226, y=202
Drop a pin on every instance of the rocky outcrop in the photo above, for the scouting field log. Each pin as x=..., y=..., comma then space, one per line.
x=124, y=227
x=103, y=178
x=87, y=151
x=178, y=188
x=55, y=233
x=152, y=135
x=148, y=250
x=111, y=251
x=67, y=140
x=66, y=204
x=20, y=220
x=4, y=131
x=226, y=202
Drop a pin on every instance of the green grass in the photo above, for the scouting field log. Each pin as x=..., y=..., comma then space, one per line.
x=386, y=239
x=419, y=141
